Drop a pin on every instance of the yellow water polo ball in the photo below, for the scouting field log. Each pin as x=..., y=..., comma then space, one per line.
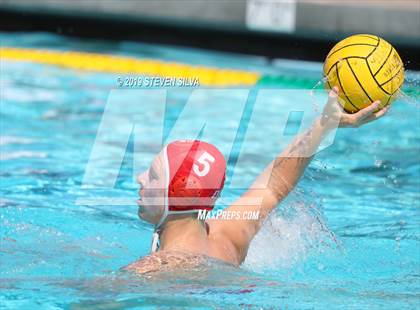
x=365, y=68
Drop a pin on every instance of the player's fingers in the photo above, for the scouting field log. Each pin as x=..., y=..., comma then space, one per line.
x=376, y=115
x=369, y=110
x=382, y=112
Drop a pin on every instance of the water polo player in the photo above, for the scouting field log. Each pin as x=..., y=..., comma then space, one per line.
x=187, y=176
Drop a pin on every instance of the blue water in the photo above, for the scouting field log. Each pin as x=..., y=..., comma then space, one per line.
x=347, y=237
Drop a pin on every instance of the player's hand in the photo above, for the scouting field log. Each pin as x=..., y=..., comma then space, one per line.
x=334, y=114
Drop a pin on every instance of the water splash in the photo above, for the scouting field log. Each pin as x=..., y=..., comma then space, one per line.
x=411, y=93
x=288, y=240
x=408, y=99
x=316, y=87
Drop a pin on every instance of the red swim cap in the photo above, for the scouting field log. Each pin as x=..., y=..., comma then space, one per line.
x=195, y=175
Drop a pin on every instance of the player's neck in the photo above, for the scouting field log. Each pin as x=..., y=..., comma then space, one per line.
x=184, y=234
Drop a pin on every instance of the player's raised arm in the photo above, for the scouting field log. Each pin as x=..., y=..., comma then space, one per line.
x=283, y=173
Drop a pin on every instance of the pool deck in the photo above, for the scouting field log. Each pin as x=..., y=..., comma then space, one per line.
x=397, y=20
x=301, y=30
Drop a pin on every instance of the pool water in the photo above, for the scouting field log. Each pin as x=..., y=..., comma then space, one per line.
x=347, y=237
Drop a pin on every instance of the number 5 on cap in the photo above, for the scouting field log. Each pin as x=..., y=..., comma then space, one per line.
x=205, y=159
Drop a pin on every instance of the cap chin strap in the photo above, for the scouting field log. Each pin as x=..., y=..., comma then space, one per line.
x=155, y=238
x=155, y=242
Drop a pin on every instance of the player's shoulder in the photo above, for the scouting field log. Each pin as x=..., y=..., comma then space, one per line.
x=222, y=239
x=147, y=264
x=165, y=261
